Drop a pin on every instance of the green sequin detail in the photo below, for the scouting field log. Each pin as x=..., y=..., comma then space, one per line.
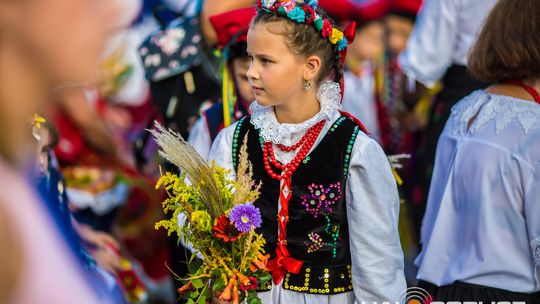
x=235, y=141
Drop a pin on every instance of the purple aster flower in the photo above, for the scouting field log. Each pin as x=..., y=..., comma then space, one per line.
x=245, y=216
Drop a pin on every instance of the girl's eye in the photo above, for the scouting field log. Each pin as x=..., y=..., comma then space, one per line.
x=264, y=60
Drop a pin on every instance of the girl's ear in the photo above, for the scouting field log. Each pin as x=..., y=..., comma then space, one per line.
x=312, y=67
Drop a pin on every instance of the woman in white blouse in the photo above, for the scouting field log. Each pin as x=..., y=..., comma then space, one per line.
x=481, y=231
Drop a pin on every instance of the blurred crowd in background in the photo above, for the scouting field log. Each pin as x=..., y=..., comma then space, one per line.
x=82, y=80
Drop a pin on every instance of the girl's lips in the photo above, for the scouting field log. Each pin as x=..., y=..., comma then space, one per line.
x=257, y=90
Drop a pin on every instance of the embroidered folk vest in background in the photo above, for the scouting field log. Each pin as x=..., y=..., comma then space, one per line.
x=317, y=229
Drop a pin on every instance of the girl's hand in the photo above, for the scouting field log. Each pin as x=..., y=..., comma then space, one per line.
x=106, y=259
x=96, y=238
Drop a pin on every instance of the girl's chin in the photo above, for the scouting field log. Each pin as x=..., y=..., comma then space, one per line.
x=265, y=102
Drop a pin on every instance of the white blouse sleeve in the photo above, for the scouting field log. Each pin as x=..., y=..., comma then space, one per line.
x=372, y=213
x=532, y=216
x=199, y=138
x=221, y=151
x=432, y=43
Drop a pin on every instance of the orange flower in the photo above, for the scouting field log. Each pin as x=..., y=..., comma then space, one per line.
x=259, y=262
x=242, y=279
x=225, y=230
x=226, y=295
x=184, y=290
x=235, y=295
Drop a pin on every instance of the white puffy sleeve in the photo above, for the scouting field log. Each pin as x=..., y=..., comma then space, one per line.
x=532, y=216
x=199, y=138
x=221, y=151
x=431, y=45
x=372, y=213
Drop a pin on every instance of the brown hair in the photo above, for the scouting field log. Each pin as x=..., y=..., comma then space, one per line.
x=303, y=39
x=508, y=46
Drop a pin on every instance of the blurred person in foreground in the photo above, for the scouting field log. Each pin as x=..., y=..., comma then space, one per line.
x=42, y=44
x=481, y=231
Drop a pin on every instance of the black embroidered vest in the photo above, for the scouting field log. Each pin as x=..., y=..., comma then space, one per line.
x=317, y=231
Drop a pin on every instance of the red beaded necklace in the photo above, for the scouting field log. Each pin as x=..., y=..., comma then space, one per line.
x=301, y=141
x=526, y=87
x=283, y=262
x=306, y=143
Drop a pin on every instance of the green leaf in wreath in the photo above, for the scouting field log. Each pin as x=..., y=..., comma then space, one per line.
x=202, y=300
x=263, y=278
x=254, y=300
x=194, y=264
x=218, y=285
x=197, y=283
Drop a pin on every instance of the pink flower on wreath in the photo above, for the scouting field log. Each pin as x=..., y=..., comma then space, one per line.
x=326, y=28
x=288, y=5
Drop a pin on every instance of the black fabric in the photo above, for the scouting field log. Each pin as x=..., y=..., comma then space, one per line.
x=181, y=78
x=460, y=291
x=457, y=84
x=214, y=116
x=404, y=14
x=326, y=270
x=188, y=105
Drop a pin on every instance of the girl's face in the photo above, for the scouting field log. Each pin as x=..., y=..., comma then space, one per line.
x=369, y=42
x=240, y=68
x=398, y=30
x=275, y=73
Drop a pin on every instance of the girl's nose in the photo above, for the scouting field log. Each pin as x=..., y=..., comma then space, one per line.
x=251, y=72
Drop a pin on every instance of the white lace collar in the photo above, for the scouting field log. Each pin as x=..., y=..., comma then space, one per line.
x=499, y=108
x=264, y=118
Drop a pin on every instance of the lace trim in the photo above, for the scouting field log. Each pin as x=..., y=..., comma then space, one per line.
x=535, y=246
x=264, y=118
x=502, y=109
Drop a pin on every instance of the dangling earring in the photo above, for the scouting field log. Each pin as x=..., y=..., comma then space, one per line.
x=307, y=84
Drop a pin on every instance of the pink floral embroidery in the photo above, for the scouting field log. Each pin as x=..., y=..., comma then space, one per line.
x=320, y=199
x=315, y=242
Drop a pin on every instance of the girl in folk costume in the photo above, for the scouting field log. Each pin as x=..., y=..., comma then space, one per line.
x=364, y=65
x=231, y=28
x=395, y=107
x=328, y=198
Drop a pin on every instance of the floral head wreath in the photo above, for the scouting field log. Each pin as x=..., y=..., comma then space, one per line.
x=305, y=13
